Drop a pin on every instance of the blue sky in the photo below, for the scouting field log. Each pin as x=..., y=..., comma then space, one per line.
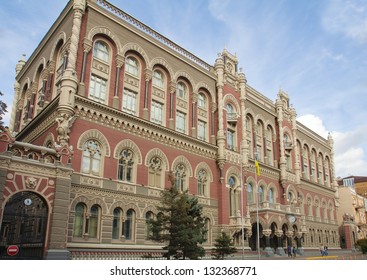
x=315, y=50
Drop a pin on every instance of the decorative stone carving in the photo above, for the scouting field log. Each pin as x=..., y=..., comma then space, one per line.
x=64, y=122
x=31, y=183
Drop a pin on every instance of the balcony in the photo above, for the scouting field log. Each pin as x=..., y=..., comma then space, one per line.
x=232, y=117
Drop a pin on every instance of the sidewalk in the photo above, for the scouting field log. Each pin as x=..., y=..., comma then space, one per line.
x=307, y=255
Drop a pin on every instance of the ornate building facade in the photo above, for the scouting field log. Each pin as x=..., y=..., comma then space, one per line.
x=106, y=109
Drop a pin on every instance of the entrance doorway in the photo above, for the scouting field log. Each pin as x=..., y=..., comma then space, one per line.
x=24, y=224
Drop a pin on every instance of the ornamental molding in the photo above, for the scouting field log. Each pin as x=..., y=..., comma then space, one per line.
x=117, y=120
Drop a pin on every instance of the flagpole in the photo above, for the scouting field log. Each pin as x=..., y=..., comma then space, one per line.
x=242, y=225
x=257, y=170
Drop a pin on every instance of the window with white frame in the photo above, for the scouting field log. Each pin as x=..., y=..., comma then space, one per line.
x=126, y=165
x=180, y=177
x=181, y=90
x=155, y=172
x=201, y=100
x=97, y=89
x=131, y=66
x=180, y=121
x=156, y=112
x=231, y=140
x=201, y=130
x=158, y=79
x=129, y=102
x=100, y=51
x=91, y=159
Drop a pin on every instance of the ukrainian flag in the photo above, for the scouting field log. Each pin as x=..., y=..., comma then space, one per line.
x=257, y=167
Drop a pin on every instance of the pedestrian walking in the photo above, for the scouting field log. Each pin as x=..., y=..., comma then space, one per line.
x=322, y=250
x=326, y=251
x=294, y=250
x=289, y=250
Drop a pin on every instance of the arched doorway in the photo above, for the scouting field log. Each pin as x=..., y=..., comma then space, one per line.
x=24, y=224
x=253, y=239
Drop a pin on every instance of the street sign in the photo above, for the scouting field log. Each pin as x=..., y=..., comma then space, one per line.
x=12, y=250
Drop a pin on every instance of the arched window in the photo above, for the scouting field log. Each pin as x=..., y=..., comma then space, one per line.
x=126, y=165
x=129, y=225
x=233, y=196
x=91, y=159
x=94, y=218
x=250, y=195
x=271, y=195
x=249, y=136
x=202, y=182
x=148, y=226
x=261, y=194
x=79, y=220
x=98, y=85
x=131, y=66
x=201, y=100
x=181, y=90
x=100, y=51
x=305, y=159
x=180, y=177
x=269, y=146
x=158, y=79
x=117, y=223
x=259, y=141
x=155, y=172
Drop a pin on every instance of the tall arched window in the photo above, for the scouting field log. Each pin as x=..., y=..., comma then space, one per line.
x=261, y=194
x=201, y=100
x=249, y=137
x=269, y=146
x=91, y=159
x=155, y=172
x=180, y=177
x=158, y=79
x=126, y=165
x=305, y=159
x=100, y=51
x=100, y=73
x=233, y=196
x=129, y=225
x=79, y=220
x=94, y=222
x=117, y=222
x=181, y=90
x=271, y=195
x=202, y=182
x=131, y=66
x=250, y=195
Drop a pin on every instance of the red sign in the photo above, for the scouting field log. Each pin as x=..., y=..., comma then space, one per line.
x=12, y=250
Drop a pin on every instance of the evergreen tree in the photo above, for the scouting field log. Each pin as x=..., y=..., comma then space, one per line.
x=223, y=247
x=180, y=224
x=3, y=110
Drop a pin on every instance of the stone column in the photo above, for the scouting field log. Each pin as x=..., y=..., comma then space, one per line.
x=148, y=78
x=58, y=230
x=119, y=63
x=280, y=249
x=221, y=138
x=172, y=103
x=268, y=251
x=87, y=46
x=194, y=114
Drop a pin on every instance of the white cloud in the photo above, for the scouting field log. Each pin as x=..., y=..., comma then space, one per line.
x=314, y=123
x=349, y=156
x=348, y=18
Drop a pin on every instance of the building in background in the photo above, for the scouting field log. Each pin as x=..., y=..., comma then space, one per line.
x=106, y=109
x=353, y=210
